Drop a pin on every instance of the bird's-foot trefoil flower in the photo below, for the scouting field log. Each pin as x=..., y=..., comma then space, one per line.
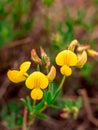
x=37, y=81
x=17, y=76
x=65, y=59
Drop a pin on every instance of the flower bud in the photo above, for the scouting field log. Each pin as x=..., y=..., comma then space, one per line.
x=82, y=48
x=46, y=58
x=75, y=110
x=73, y=44
x=52, y=74
x=82, y=59
x=35, y=57
x=65, y=115
x=92, y=53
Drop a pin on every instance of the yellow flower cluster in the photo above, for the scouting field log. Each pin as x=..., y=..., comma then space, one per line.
x=68, y=58
x=35, y=81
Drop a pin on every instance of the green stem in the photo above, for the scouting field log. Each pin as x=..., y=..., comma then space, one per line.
x=43, y=108
x=38, y=67
x=49, y=88
x=47, y=71
x=62, y=82
x=60, y=86
x=34, y=102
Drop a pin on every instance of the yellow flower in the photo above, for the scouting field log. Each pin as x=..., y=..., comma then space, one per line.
x=37, y=81
x=66, y=59
x=19, y=76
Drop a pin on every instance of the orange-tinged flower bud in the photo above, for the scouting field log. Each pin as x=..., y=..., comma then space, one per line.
x=82, y=48
x=46, y=58
x=82, y=59
x=73, y=44
x=52, y=74
x=92, y=53
x=35, y=57
x=65, y=115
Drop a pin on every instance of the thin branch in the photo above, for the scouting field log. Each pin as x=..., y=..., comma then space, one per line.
x=24, y=119
x=91, y=118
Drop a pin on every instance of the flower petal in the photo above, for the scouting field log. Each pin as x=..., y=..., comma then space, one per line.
x=36, y=94
x=66, y=70
x=37, y=80
x=25, y=66
x=66, y=57
x=15, y=76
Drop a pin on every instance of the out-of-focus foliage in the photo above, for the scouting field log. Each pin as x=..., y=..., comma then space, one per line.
x=14, y=20
x=66, y=30
x=11, y=115
x=48, y=3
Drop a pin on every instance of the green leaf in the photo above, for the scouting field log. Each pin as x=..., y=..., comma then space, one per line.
x=49, y=97
x=29, y=104
x=13, y=107
x=78, y=103
x=54, y=106
x=48, y=3
x=39, y=106
x=69, y=26
x=43, y=60
x=20, y=120
x=69, y=104
x=56, y=95
x=41, y=116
